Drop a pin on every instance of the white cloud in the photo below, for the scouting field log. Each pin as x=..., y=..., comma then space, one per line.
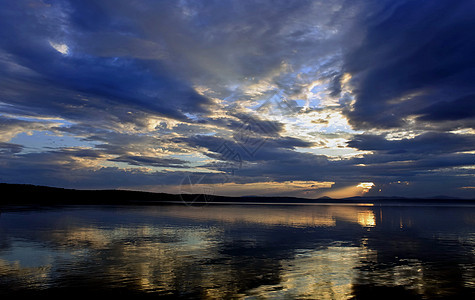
x=61, y=48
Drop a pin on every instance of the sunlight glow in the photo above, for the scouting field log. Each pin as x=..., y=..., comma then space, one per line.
x=366, y=219
x=61, y=48
x=304, y=189
x=350, y=191
x=366, y=186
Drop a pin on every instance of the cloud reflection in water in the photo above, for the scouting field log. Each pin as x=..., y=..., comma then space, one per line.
x=239, y=251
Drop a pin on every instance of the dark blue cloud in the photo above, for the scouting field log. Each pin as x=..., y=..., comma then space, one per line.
x=148, y=161
x=416, y=57
x=458, y=109
x=61, y=168
x=427, y=143
x=9, y=148
x=128, y=81
x=250, y=147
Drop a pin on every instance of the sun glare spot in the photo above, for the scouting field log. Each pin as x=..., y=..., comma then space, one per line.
x=61, y=48
x=351, y=191
x=366, y=219
x=366, y=186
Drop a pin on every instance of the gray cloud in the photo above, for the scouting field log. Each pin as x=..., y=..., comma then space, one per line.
x=9, y=148
x=416, y=58
x=151, y=161
x=427, y=143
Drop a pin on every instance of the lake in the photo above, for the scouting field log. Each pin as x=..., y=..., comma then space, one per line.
x=233, y=251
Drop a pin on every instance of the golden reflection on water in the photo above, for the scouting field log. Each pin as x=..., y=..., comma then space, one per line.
x=366, y=218
x=155, y=259
x=315, y=274
x=162, y=257
x=302, y=216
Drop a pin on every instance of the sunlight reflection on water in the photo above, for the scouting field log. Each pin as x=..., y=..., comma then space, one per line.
x=241, y=251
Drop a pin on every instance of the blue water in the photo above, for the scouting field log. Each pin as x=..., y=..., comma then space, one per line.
x=241, y=251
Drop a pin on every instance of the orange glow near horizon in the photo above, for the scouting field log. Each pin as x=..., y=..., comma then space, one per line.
x=304, y=189
x=351, y=191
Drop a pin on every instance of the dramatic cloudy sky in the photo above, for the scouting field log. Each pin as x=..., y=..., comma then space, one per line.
x=300, y=98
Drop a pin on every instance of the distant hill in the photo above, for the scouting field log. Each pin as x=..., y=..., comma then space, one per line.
x=23, y=194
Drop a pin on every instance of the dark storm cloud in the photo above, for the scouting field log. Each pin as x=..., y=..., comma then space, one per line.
x=256, y=125
x=405, y=158
x=62, y=168
x=406, y=166
x=416, y=58
x=125, y=80
x=249, y=148
x=427, y=143
x=264, y=159
x=459, y=109
x=151, y=161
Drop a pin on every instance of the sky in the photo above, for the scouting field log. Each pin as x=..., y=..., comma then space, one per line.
x=332, y=98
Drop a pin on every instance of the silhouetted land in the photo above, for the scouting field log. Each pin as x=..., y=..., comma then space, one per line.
x=21, y=194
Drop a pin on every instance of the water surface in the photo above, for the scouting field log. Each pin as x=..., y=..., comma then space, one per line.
x=241, y=251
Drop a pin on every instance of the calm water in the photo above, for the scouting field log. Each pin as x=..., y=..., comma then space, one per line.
x=241, y=251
